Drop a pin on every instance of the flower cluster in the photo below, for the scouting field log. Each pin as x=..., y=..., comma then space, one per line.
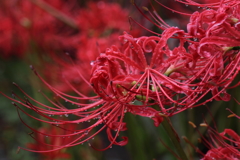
x=146, y=77
x=25, y=24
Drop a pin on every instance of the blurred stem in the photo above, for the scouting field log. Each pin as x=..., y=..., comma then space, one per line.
x=174, y=137
x=54, y=12
x=137, y=145
x=208, y=118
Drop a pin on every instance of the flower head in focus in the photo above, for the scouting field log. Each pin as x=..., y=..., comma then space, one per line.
x=143, y=76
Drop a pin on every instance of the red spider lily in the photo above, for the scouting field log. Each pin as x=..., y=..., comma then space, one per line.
x=222, y=146
x=55, y=140
x=219, y=27
x=221, y=149
x=24, y=23
x=216, y=38
x=102, y=19
x=97, y=30
x=145, y=78
x=12, y=37
x=214, y=45
x=108, y=110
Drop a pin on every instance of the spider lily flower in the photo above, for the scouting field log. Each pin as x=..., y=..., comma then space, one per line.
x=215, y=34
x=225, y=146
x=21, y=27
x=93, y=38
x=216, y=27
x=119, y=79
x=146, y=71
x=37, y=145
x=144, y=77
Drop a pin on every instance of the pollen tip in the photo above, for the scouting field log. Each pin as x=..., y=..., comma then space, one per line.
x=145, y=8
x=203, y=124
x=192, y=124
x=231, y=115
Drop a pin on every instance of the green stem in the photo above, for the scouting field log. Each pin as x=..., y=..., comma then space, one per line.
x=174, y=137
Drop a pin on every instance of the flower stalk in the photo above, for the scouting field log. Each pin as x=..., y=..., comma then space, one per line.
x=167, y=125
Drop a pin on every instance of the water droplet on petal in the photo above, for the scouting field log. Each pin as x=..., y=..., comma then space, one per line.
x=92, y=63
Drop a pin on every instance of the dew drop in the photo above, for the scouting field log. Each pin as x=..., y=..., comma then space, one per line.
x=92, y=63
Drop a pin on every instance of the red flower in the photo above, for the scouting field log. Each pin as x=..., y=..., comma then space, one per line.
x=216, y=35
x=221, y=149
x=48, y=135
x=144, y=77
x=99, y=27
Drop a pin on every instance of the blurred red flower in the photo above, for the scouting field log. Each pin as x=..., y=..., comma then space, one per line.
x=53, y=136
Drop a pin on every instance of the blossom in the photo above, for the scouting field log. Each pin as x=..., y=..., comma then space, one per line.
x=216, y=37
x=97, y=31
x=54, y=140
x=224, y=145
x=221, y=149
x=25, y=26
x=143, y=76
x=212, y=38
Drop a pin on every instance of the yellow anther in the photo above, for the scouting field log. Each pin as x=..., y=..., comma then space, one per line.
x=145, y=8
x=192, y=124
x=203, y=124
x=231, y=115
